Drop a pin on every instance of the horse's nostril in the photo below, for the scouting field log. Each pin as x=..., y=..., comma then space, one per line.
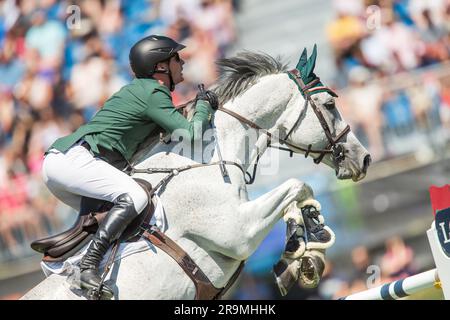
x=366, y=163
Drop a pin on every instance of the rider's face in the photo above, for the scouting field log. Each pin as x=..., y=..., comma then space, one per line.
x=176, y=67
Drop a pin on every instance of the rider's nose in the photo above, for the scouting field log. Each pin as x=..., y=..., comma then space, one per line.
x=366, y=163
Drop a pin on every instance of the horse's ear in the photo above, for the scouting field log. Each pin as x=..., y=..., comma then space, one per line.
x=311, y=62
x=303, y=59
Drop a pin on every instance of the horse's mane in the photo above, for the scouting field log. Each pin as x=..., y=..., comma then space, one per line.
x=238, y=73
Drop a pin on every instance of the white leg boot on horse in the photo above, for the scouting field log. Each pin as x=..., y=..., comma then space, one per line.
x=306, y=240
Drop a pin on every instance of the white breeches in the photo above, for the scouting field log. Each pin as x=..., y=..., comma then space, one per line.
x=77, y=173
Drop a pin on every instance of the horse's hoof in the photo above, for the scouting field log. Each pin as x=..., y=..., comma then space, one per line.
x=311, y=270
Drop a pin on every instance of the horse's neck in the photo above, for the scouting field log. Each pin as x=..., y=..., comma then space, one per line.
x=262, y=104
x=236, y=142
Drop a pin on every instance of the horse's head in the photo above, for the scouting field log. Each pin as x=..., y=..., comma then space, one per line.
x=297, y=109
x=312, y=120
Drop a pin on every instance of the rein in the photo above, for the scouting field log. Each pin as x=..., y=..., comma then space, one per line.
x=307, y=90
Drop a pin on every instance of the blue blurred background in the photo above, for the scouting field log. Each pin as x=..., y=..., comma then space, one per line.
x=387, y=59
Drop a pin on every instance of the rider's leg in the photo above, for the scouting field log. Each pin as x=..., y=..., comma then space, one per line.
x=110, y=230
x=77, y=172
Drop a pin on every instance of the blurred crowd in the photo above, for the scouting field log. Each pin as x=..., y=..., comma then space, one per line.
x=378, y=45
x=59, y=62
x=390, y=36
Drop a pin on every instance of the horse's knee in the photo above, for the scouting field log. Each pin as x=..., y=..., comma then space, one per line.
x=139, y=197
x=300, y=189
x=295, y=185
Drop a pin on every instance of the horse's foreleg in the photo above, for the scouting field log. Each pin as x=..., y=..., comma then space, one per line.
x=260, y=215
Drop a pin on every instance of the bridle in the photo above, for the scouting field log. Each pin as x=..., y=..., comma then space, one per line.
x=333, y=147
x=337, y=151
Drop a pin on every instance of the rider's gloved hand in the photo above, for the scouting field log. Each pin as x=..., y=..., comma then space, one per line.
x=209, y=96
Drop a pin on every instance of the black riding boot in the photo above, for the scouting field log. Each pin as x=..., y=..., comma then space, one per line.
x=110, y=230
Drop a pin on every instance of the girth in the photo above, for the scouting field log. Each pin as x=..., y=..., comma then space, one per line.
x=205, y=290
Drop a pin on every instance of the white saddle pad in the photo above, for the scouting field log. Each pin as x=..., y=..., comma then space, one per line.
x=125, y=249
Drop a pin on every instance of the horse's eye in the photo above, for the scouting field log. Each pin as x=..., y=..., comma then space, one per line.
x=330, y=104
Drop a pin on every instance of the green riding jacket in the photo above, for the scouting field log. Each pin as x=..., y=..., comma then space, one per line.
x=131, y=114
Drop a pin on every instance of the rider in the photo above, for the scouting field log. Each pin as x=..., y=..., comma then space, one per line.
x=89, y=162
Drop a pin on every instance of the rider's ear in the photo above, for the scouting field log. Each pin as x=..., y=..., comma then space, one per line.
x=161, y=67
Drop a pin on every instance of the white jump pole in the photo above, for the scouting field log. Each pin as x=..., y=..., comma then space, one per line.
x=441, y=259
x=439, y=277
x=398, y=289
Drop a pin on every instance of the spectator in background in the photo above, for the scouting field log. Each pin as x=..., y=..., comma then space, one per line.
x=7, y=115
x=344, y=34
x=361, y=261
x=425, y=101
x=215, y=18
x=433, y=37
x=403, y=43
x=364, y=99
x=11, y=68
x=444, y=110
x=376, y=47
x=332, y=285
x=436, y=11
x=86, y=82
x=200, y=51
x=353, y=8
x=171, y=11
x=396, y=262
x=48, y=38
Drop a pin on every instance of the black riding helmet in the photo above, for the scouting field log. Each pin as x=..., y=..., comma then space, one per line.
x=148, y=52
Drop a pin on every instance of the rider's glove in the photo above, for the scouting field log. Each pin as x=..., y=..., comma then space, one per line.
x=209, y=96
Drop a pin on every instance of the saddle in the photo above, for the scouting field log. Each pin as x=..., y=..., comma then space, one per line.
x=64, y=245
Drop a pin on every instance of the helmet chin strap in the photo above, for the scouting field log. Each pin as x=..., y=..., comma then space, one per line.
x=169, y=73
